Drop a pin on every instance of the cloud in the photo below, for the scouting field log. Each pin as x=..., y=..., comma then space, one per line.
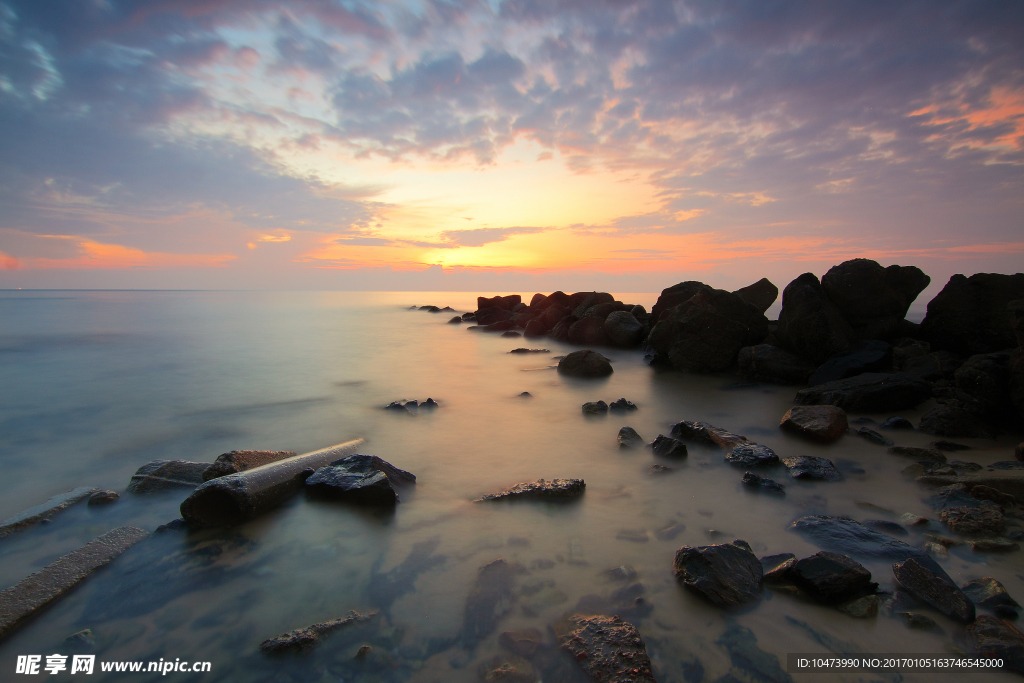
x=482, y=236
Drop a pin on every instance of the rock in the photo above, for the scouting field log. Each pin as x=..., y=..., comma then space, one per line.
x=971, y=315
x=429, y=404
x=706, y=332
x=919, y=454
x=849, y=537
x=595, y=408
x=430, y=309
x=667, y=447
x=868, y=356
x=608, y=649
x=396, y=406
x=588, y=331
x=623, y=329
x=40, y=513
x=989, y=593
x=982, y=492
x=937, y=591
x=933, y=366
x=503, y=302
x=523, y=642
x=861, y=608
x=986, y=378
x=305, y=638
x=524, y=350
x=919, y=622
x=490, y=599
x=21, y=602
x=994, y=545
x=103, y=498
x=457, y=320
x=761, y=295
x=764, y=484
x=809, y=324
x=659, y=469
x=886, y=526
x=868, y=393
x=831, y=578
x=767, y=363
x=628, y=438
x=965, y=466
x=673, y=296
x=554, y=490
x=752, y=455
x=825, y=423
x=985, y=518
x=511, y=333
x=953, y=420
x=750, y=662
x=361, y=479
x=776, y=568
x=807, y=467
x=585, y=364
x=622, y=405
x=166, y=475
x=706, y=435
x=897, y=422
x=728, y=574
x=994, y=638
x=1018, y=452
x=949, y=446
x=910, y=519
x=581, y=302
x=873, y=436
x=240, y=461
x=873, y=299
x=492, y=315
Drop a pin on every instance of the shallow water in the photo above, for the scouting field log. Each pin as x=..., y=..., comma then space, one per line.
x=98, y=383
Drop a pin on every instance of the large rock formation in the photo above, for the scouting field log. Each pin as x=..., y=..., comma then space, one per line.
x=873, y=300
x=971, y=315
x=810, y=325
x=762, y=294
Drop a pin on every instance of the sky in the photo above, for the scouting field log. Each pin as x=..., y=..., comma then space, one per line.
x=511, y=145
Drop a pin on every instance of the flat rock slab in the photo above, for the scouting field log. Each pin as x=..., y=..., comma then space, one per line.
x=240, y=461
x=305, y=638
x=983, y=519
x=706, y=434
x=809, y=467
x=166, y=475
x=360, y=478
x=727, y=574
x=873, y=392
x=52, y=506
x=993, y=637
x=20, y=602
x=818, y=423
x=925, y=585
x=608, y=649
x=831, y=578
x=752, y=455
x=553, y=490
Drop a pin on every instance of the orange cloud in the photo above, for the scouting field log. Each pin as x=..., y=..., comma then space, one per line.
x=94, y=255
x=1004, y=107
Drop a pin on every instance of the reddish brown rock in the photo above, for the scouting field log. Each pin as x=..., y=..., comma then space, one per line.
x=984, y=519
x=608, y=649
x=820, y=423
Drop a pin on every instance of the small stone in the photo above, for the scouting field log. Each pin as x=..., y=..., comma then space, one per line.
x=628, y=438
x=861, y=608
x=936, y=550
x=595, y=408
x=994, y=545
x=897, y=423
x=103, y=498
x=525, y=350
x=667, y=447
x=807, y=467
x=457, y=320
x=669, y=532
x=919, y=622
x=363, y=652
x=873, y=436
x=526, y=394
x=751, y=480
x=622, y=405
x=825, y=423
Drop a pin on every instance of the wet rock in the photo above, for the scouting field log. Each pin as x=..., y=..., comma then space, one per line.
x=991, y=637
x=632, y=535
x=240, y=461
x=706, y=435
x=982, y=492
x=305, y=638
x=490, y=599
x=809, y=324
x=776, y=568
x=868, y=356
x=986, y=378
x=553, y=490
x=622, y=405
x=606, y=648
x=886, y=526
x=749, y=661
x=40, y=513
x=764, y=484
x=103, y=498
x=948, y=446
x=595, y=408
x=361, y=479
x=457, y=320
x=623, y=329
x=970, y=315
x=918, y=454
x=523, y=642
x=831, y=578
x=994, y=545
x=21, y=602
x=623, y=573
x=847, y=536
x=965, y=466
x=871, y=392
x=752, y=455
x=953, y=419
x=659, y=469
x=628, y=438
x=808, y=467
x=524, y=350
x=511, y=333
x=166, y=475
x=989, y=593
x=728, y=574
x=862, y=608
x=585, y=363
x=984, y=519
x=897, y=422
x=919, y=622
x=761, y=295
x=873, y=436
x=767, y=363
x=667, y=447
x=825, y=423
x=935, y=590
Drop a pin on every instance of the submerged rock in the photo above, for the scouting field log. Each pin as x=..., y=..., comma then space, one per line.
x=991, y=637
x=628, y=438
x=897, y=422
x=361, y=479
x=994, y=545
x=985, y=518
x=165, y=475
x=933, y=589
x=608, y=649
x=873, y=436
x=490, y=599
x=585, y=363
x=752, y=481
x=872, y=392
x=831, y=578
x=749, y=661
x=667, y=447
x=103, y=498
x=554, y=490
x=728, y=574
x=525, y=350
x=953, y=420
x=821, y=423
x=808, y=467
x=305, y=638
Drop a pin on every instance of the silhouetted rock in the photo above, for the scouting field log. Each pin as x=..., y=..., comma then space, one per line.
x=523, y=350
x=622, y=405
x=728, y=574
x=954, y=420
x=825, y=423
x=810, y=325
x=933, y=366
x=971, y=314
x=504, y=302
x=588, y=331
x=623, y=329
x=918, y=454
x=869, y=393
x=761, y=295
x=457, y=320
x=986, y=378
x=937, y=591
x=831, y=578
x=867, y=356
x=873, y=300
x=585, y=363
x=673, y=296
x=897, y=422
x=767, y=363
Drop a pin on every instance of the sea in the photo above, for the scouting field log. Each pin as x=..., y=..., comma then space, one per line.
x=95, y=384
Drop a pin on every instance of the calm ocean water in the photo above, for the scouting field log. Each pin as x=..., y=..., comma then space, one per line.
x=96, y=384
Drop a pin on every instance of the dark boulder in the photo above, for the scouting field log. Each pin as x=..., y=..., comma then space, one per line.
x=628, y=438
x=103, y=498
x=767, y=363
x=810, y=325
x=558, y=298
x=673, y=296
x=933, y=366
x=776, y=568
x=602, y=310
x=305, y=638
x=989, y=593
x=867, y=356
x=580, y=302
x=360, y=479
x=608, y=649
x=831, y=578
x=971, y=314
x=588, y=331
x=808, y=467
x=873, y=299
x=585, y=363
x=869, y=393
x=955, y=419
x=490, y=599
x=824, y=423
x=554, y=490
x=667, y=447
x=886, y=526
x=762, y=484
x=706, y=332
x=995, y=638
x=491, y=315
x=706, y=435
x=935, y=590
x=761, y=295
x=623, y=329
x=560, y=332
x=897, y=422
x=728, y=574
x=752, y=455
x=622, y=405
x=457, y=320
x=986, y=378
x=165, y=475
x=595, y=408
x=534, y=328
x=504, y=302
